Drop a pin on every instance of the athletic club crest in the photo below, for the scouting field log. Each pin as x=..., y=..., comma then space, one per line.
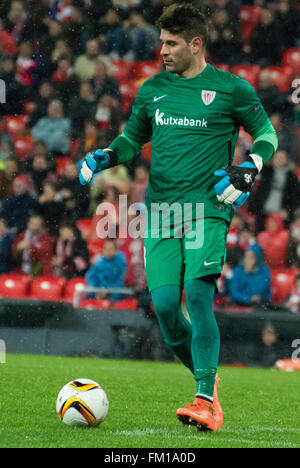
x=208, y=97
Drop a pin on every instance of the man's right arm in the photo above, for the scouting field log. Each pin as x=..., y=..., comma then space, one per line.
x=137, y=133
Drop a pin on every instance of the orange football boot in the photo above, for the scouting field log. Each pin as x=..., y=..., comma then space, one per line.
x=217, y=407
x=204, y=415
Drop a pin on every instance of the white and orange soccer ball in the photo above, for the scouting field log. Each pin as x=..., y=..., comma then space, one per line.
x=82, y=403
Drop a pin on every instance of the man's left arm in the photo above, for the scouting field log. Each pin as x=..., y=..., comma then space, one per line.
x=237, y=181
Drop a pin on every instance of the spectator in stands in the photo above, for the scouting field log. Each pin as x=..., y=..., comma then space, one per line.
x=16, y=19
x=40, y=172
x=268, y=92
x=287, y=136
x=108, y=271
x=226, y=45
x=54, y=130
x=14, y=91
x=7, y=176
x=90, y=140
x=274, y=242
x=278, y=191
x=28, y=73
x=38, y=107
x=71, y=254
x=144, y=37
x=113, y=35
x=6, y=149
x=117, y=177
x=106, y=216
x=289, y=19
x=17, y=208
x=294, y=242
x=82, y=107
x=7, y=43
x=267, y=33
x=78, y=30
x=251, y=284
x=48, y=41
x=65, y=82
x=75, y=196
x=33, y=248
x=51, y=207
x=6, y=241
x=139, y=184
x=293, y=301
x=85, y=64
x=102, y=83
x=108, y=116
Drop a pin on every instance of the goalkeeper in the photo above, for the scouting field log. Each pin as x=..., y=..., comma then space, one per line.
x=192, y=112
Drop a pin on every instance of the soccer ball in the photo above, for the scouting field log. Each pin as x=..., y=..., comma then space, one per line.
x=82, y=403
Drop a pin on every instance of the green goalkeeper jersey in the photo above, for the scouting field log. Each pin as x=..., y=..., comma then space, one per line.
x=194, y=125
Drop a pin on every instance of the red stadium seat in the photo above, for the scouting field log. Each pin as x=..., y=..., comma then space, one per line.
x=222, y=66
x=144, y=70
x=23, y=146
x=61, y=164
x=47, y=288
x=95, y=304
x=14, y=124
x=281, y=76
x=71, y=287
x=121, y=70
x=249, y=17
x=131, y=304
x=282, y=282
x=14, y=286
x=249, y=72
x=95, y=248
x=291, y=58
x=128, y=90
x=84, y=226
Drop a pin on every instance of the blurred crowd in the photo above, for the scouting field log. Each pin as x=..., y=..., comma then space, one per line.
x=63, y=64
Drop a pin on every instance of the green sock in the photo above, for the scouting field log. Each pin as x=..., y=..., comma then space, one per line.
x=176, y=329
x=206, y=335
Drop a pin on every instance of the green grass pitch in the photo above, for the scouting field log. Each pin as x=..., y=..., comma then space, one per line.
x=261, y=407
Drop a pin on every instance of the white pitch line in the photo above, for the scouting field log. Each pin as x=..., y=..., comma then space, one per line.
x=169, y=434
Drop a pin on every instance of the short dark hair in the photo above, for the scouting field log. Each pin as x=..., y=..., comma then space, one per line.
x=184, y=20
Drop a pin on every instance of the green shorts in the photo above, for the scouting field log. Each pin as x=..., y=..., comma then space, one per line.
x=195, y=251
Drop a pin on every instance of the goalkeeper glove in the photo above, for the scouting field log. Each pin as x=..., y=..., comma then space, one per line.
x=237, y=181
x=92, y=164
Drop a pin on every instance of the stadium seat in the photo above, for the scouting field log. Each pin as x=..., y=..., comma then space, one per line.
x=95, y=248
x=95, y=304
x=131, y=304
x=84, y=226
x=291, y=58
x=61, y=164
x=249, y=17
x=222, y=66
x=23, y=146
x=14, y=124
x=281, y=76
x=128, y=90
x=282, y=282
x=249, y=72
x=144, y=70
x=121, y=70
x=47, y=288
x=71, y=288
x=14, y=286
